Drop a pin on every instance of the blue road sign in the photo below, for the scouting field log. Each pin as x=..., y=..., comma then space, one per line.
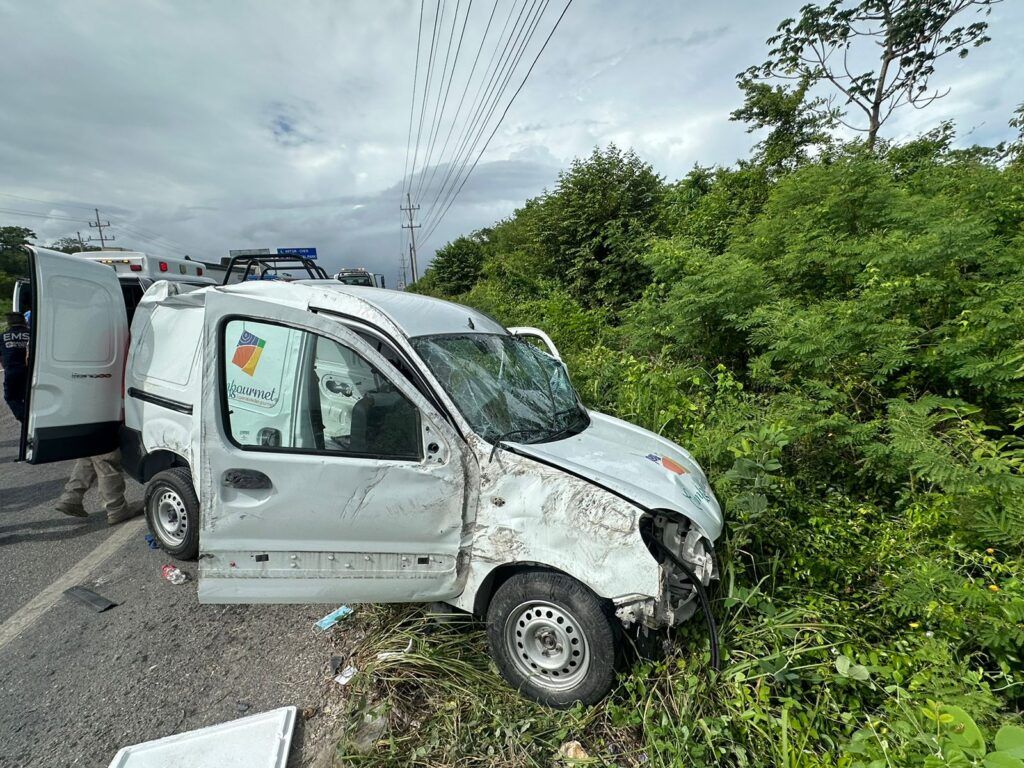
x=306, y=253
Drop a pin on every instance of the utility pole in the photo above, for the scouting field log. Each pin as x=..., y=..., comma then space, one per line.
x=99, y=225
x=81, y=242
x=401, y=260
x=410, y=209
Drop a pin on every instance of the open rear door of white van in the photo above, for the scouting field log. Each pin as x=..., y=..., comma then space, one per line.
x=79, y=334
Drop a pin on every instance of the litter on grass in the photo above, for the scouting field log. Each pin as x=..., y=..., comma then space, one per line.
x=385, y=655
x=332, y=618
x=346, y=674
x=256, y=741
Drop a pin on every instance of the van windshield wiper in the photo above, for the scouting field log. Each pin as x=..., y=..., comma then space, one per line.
x=547, y=436
x=567, y=430
x=511, y=433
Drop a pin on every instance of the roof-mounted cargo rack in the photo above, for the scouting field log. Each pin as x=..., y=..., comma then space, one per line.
x=269, y=267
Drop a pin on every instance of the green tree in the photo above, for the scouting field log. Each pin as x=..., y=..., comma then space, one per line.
x=592, y=227
x=71, y=245
x=456, y=266
x=796, y=124
x=826, y=43
x=1016, y=147
x=13, y=263
x=12, y=237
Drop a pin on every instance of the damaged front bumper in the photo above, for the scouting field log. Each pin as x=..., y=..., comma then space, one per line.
x=677, y=599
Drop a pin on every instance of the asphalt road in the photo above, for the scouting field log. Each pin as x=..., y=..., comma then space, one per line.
x=76, y=685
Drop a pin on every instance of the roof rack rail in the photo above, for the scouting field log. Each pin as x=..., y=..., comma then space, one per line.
x=267, y=266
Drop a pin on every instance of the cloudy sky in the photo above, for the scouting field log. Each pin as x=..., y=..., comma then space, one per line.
x=197, y=127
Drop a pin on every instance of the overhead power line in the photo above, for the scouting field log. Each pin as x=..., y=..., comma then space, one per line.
x=426, y=91
x=492, y=93
x=163, y=242
x=412, y=105
x=494, y=130
x=439, y=117
x=41, y=215
x=465, y=91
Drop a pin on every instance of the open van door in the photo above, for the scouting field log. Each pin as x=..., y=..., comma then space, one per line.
x=79, y=333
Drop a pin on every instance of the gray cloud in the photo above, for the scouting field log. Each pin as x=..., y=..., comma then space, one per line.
x=201, y=127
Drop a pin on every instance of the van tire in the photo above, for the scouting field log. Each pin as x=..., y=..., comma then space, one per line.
x=553, y=639
x=172, y=512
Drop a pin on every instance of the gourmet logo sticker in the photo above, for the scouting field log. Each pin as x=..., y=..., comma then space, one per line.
x=248, y=352
x=266, y=398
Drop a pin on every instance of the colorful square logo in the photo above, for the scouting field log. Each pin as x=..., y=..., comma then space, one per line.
x=248, y=351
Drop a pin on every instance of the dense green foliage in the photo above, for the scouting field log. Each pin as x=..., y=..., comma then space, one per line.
x=13, y=263
x=842, y=347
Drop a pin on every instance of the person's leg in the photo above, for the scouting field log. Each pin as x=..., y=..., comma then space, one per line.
x=111, y=484
x=82, y=477
x=14, y=394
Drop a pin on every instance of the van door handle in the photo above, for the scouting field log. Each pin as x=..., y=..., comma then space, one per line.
x=246, y=479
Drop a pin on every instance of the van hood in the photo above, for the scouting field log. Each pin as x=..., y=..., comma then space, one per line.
x=653, y=472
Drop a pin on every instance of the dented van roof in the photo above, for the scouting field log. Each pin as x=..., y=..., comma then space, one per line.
x=414, y=314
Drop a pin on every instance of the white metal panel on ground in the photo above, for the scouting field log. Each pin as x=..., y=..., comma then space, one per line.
x=256, y=741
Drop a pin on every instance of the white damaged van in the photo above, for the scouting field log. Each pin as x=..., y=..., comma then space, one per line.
x=317, y=442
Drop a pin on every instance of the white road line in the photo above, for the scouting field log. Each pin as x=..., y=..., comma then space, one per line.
x=41, y=603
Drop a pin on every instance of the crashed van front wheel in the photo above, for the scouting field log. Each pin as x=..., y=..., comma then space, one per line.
x=553, y=639
x=172, y=511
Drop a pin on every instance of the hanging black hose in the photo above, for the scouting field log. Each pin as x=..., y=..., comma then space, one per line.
x=702, y=598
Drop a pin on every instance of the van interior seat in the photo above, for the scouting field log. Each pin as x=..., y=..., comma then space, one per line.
x=384, y=423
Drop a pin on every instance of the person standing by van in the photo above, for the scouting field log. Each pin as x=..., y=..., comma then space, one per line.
x=14, y=360
x=105, y=472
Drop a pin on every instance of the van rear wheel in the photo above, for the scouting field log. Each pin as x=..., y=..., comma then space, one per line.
x=172, y=511
x=553, y=639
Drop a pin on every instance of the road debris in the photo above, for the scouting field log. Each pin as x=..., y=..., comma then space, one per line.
x=333, y=618
x=152, y=542
x=256, y=741
x=346, y=675
x=385, y=655
x=572, y=750
x=173, y=574
x=84, y=595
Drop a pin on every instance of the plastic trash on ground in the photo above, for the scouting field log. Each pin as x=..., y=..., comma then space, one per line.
x=346, y=675
x=173, y=574
x=256, y=741
x=333, y=618
x=385, y=655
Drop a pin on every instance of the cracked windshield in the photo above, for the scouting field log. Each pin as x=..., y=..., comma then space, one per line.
x=504, y=387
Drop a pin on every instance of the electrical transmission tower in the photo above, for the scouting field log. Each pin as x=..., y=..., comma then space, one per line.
x=411, y=209
x=100, y=226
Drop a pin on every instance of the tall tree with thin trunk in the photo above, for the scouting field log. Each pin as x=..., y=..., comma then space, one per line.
x=829, y=44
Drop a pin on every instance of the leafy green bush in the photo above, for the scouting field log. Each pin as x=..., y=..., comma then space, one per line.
x=842, y=346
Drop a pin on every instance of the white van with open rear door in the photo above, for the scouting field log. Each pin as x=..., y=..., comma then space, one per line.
x=317, y=442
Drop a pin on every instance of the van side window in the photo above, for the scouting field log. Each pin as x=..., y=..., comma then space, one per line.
x=290, y=390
